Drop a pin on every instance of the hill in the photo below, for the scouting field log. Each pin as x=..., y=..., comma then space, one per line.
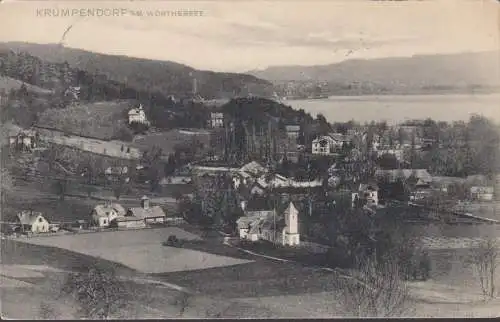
x=405, y=74
x=7, y=84
x=166, y=77
x=101, y=120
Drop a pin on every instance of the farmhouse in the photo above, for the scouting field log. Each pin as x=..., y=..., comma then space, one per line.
x=103, y=215
x=32, y=221
x=149, y=214
x=268, y=225
x=137, y=115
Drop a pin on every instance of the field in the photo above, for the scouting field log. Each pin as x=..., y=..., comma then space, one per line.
x=114, y=149
x=168, y=140
x=141, y=250
x=9, y=84
x=102, y=120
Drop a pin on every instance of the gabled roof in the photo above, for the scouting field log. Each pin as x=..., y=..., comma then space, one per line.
x=144, y=213
x=27, y=217
x=337, y=136
x=368, y=186
x=253, y=167
x=292, y=128
x=102, y=210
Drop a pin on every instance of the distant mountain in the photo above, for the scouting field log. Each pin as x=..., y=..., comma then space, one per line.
x=399, y=74
x=168, y=78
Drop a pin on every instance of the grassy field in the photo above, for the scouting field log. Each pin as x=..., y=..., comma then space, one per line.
x=141, y=250
x=103, y=146
x=168, y=140
x=101, y=120
x=9, y=84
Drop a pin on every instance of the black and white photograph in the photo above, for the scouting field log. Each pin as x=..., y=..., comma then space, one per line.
x=220, y=159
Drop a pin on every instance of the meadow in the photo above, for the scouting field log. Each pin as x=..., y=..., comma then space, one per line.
x=101, y=120
x=141, y=250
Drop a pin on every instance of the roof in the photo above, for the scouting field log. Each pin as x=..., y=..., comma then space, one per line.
x=151, y=212
x=27, y=217
x=127, y=218
x=291, y=208
x=253, y=217
x=144, y=197
x=367, y=186
x=101, y=210
x=292, y=128
x=253, y=167
x=442, y=180
x=337, y=136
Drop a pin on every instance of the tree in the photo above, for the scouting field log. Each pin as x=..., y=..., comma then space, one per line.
x=60, y=187
x=376, y=290
x=484, y=258
x=98, y=291
x=388, y=161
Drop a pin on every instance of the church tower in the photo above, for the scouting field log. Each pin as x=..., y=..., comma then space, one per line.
x=292, y=225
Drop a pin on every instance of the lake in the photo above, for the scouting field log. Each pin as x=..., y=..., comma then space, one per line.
x=398, y=108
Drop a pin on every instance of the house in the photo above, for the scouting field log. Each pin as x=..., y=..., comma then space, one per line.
x=366, y=193
x=149, y=214
x=117, y=173
x=482, y=193
x=23, y=140
x=268, y=225
x=216, y=120
x=103, y=215
x=292, y=131
x=31, y=221
x=137, y=115
x=328, y=144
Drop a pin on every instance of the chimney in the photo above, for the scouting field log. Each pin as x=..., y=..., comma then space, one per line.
x=145, y=202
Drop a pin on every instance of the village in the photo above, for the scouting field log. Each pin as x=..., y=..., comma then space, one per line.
x=350, y=165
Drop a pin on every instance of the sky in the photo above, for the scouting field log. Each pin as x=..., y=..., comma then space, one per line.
x=241, y=35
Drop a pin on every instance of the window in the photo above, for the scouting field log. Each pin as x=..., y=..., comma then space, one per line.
x=40, y=219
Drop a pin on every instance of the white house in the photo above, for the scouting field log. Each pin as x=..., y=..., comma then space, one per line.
x=482, y=193
x=32, y=221
x=328, y=144
x=137, y=115
x=102, y=215
x=216, y=120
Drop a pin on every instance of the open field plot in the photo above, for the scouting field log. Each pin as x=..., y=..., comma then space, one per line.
x=101, y=120
x=107, y=147
x=489, y=210
x=9, y=84
x=255, y=279
x=141, y=250
x=168, y=140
